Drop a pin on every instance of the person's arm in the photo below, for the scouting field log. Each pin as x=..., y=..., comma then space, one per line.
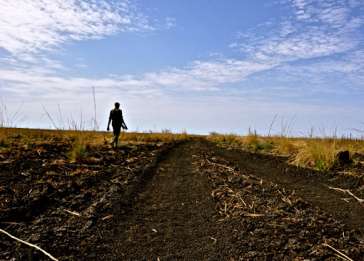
x=123, y=122
x=108, y=124
x=124, y=126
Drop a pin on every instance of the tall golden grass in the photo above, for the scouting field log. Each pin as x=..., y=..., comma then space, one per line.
x=316, y=153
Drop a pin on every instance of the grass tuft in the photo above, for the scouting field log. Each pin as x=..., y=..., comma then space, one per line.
x=316, y=154
x=79, y=148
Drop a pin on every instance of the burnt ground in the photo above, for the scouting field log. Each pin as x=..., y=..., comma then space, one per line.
x=189, y=201
x=315, y=187
x=63, y=206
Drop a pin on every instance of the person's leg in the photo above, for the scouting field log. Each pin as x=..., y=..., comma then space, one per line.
x=117, y=139
x=113, y=141
x=116, y=136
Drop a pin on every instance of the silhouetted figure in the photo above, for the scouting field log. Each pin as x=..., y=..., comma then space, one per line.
x=116, y=116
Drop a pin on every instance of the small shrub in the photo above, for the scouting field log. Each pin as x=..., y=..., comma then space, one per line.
x=316, y=154
x=3, y=143
x=79, y=149
x=256, y=143
x=265, y=146
x=251, y=140
x=285, y=146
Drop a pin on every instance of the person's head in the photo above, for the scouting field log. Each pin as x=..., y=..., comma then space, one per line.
x=117, y=105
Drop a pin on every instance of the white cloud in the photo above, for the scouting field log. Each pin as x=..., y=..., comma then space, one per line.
x=317, y=29
x=313, y=42
x=342, y=75
x=349, y=64
x=170, y=22
x=28, y=27
x=200, y=75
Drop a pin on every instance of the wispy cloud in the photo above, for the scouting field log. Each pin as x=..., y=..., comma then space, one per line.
x=170, y=22
x=316, y=29
x=320, y=41
x=200, y=75
x=348, y=72
x=28, y=27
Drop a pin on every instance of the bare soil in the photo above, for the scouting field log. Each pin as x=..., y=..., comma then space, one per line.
x=187, y=201
x=315, y=187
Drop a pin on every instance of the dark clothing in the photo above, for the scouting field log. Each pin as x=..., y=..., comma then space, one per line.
x=116, y=115
x=116, y=131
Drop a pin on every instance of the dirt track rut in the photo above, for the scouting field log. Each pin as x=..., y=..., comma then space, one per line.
x=174, y=216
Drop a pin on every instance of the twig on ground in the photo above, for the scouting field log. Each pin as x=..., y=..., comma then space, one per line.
x=241, y=200
x=29, y=244
x=72, y=212
x=361, y=201
x=213, y=239
x=11, y=223
x=347, y=200
x=107, y=217
x=342, y=255
x=221, y=166
x=253, y=215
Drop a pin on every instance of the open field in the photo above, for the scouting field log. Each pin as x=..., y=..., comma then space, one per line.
x=165, y=196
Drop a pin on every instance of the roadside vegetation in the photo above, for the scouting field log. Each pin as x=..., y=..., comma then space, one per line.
x=82, y=141
x=317, y=153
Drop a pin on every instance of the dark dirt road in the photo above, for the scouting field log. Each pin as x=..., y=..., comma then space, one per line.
x=187, y=201
x=174, y=216
x=187, y=212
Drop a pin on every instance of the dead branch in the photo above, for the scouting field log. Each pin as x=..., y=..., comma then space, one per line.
x=253, y=215
x=11, y=223
x=221, y=166
x=237, y=195
x=361, y=201
x=107, y=217
x=29, y=244
x=342, y=255
x=213, y=239
x=50, y=118
x=72, y=212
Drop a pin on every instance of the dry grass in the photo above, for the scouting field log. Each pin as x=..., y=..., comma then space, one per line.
x=92, y=137
x=316, y=153
x=82, y=141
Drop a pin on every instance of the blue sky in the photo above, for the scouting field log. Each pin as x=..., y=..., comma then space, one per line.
x=198, y=66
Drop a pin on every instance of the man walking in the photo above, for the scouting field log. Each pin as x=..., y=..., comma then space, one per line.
x=116, y=116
